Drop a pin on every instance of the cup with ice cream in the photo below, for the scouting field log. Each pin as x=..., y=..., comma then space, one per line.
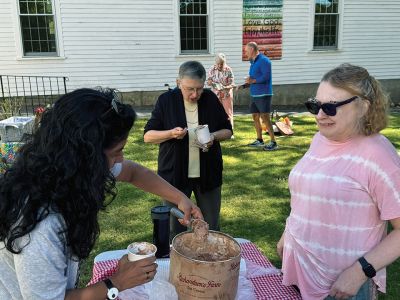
x=140, y=250
x=203, y=134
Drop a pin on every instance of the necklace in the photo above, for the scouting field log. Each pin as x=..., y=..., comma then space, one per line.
x=188, y=110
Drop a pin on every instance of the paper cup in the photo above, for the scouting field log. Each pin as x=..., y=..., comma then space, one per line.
x=138, y=251
x=203, y=134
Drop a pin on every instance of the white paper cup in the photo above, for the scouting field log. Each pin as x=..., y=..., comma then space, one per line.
x=203, y=134
x=140, y=250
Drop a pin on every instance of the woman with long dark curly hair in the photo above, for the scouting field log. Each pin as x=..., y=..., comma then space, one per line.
x=50, y=199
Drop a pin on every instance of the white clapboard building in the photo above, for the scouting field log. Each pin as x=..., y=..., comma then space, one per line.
x=137, y=46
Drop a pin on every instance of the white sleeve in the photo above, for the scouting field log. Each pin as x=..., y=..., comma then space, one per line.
x=41, y=267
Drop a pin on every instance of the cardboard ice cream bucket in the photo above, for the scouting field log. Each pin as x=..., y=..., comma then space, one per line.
x=203, y=279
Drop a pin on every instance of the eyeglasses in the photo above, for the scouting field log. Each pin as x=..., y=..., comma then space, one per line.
x=313, y=106
x=191, y=90
x=114, y=105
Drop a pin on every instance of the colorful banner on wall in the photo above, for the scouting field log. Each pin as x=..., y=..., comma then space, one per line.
x=262, y=23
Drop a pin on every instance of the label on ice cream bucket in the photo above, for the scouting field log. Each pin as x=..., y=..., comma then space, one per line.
x=196, y=281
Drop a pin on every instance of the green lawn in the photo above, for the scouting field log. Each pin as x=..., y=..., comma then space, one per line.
x=255, y=196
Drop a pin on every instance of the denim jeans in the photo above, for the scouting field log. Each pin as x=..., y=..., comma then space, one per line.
x=367, y=291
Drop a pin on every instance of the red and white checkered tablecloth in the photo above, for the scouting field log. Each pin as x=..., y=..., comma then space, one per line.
x=266, y=287
x=103, y=270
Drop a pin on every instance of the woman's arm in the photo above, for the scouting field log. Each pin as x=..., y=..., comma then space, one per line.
x=210, y=75
x=149, y=181
x=387, y=251
x=128, y=275
x=220, y=135
x=280, y=245
x=230, y=79
x=40, y=267
x=160, y=136
x=96, y=291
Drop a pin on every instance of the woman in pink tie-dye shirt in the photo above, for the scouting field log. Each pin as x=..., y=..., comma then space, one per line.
x=344, y=192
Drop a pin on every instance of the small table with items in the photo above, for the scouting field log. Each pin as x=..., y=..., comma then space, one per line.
x=260, y=279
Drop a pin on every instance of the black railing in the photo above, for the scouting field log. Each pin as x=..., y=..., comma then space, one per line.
x=21, y=94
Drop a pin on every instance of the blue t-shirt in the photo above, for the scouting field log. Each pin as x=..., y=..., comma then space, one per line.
x=260, y=70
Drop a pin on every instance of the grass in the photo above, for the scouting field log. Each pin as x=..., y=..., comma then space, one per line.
x=255, y=195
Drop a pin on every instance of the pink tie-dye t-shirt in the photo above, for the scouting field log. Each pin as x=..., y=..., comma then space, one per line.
x=342, y=195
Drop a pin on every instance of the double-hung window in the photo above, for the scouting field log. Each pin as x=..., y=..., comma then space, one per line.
x=326, y=24
x=193, y=23
x=38, y=29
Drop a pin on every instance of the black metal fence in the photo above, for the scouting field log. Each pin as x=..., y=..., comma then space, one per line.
x=21, y=94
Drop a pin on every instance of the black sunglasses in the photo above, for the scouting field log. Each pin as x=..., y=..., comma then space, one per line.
x=313, y=106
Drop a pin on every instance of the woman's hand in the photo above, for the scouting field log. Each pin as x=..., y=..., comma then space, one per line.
x=211, y=142
x=199, y=145
x=280, y=245
x=178, y=133
x=133, y=273
x=204, y=147
x=349, y=282
x=189, y=209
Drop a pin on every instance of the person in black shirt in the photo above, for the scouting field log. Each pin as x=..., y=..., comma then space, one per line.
x=182, y=161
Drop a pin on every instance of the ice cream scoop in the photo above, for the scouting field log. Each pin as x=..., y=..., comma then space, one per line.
x=179, y=214
x=193, y=224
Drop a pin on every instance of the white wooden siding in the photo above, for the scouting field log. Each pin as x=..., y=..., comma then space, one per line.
x=131, y=44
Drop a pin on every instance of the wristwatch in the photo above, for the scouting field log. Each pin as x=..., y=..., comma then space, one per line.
x=368, y=269
x=112, y=290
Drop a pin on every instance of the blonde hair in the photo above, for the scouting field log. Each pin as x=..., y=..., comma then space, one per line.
x=357, y=81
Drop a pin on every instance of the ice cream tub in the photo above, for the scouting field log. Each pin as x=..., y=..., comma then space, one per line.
x=205, y=270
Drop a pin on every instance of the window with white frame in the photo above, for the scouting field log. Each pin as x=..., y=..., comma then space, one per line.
x=38, y=29
x=193, y=23
x=326, y=24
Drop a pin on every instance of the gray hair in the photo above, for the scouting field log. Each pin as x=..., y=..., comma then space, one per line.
x=253, y=45
x=193, y=70
x=220, y=57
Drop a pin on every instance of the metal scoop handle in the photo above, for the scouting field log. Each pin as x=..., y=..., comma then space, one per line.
x=179, y=214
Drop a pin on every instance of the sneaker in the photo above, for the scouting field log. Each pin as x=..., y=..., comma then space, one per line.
x=256, y=143
x=271, y=146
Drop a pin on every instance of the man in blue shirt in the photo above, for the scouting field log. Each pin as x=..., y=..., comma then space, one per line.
x=260, y=81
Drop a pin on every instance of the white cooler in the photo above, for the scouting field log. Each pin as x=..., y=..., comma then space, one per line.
x=12, y=129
